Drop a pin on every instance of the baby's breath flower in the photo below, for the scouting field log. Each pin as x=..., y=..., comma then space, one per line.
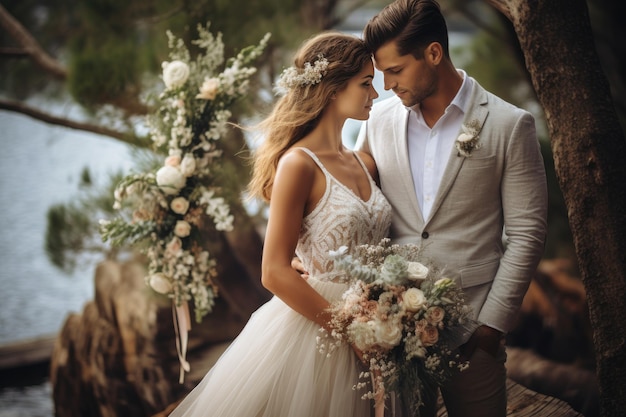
x=311, y=74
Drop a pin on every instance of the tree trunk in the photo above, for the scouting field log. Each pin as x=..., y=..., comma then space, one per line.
x=589, y=154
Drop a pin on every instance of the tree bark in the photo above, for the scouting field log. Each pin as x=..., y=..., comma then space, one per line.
x=589, y=154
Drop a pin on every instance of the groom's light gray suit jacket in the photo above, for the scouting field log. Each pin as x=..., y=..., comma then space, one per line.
x=502, y=184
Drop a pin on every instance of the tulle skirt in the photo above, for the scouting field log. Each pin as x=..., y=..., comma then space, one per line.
x=274, y=369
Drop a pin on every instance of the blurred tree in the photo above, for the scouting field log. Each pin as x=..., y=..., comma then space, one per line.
x=105, y=57
x=589, y=150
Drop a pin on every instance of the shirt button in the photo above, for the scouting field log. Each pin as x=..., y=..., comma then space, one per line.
x=424, y=235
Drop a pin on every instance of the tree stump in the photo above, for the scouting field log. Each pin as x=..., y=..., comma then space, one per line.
x=118, y=358
x=104, y=362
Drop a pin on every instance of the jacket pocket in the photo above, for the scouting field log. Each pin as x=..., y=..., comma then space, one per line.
x=479, y=274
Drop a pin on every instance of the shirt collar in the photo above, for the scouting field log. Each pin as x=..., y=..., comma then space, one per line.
x=462, y=98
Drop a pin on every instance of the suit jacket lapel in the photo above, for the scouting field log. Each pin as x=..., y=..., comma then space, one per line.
x=477, y=111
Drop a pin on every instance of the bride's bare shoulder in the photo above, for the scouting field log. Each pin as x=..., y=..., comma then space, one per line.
x=296, y=161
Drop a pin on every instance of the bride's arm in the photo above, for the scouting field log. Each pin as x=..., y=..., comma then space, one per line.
x=294, y=191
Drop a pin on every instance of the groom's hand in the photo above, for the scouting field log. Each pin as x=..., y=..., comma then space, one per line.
x=485, y=338
x=296, y=264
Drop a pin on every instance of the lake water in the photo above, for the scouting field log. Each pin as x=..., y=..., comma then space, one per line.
x=40, y=165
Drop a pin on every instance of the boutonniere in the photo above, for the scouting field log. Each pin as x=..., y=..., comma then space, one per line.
x=468, y=139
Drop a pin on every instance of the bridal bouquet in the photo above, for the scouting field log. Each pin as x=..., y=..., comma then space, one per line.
x=163, y=212
x=407, y=318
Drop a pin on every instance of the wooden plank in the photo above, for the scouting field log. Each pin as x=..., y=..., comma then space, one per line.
x=523, y=402
x=35, y=351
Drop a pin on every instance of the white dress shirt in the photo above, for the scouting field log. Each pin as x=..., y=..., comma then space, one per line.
x=430, y=149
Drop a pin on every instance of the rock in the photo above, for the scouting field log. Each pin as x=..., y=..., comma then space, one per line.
x=107, y=361
x=118, y=358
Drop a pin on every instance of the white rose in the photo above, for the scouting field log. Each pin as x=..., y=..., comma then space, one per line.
x=464, y=137
x=159, y=283
x=182, y=228
x=209, y=89
x=188, y=165
x=179, y=205
x=175, y=74
x=417, y=271
x=362, y=334
x=170, y=180
x=388, y=334
x=413, y=299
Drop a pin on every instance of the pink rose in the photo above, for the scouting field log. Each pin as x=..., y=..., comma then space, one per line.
x=182, y=228
x=174, y=246
x=435, y=315
x=172, y=161
x=430, y=335
x=209, y=89
x=179, y=205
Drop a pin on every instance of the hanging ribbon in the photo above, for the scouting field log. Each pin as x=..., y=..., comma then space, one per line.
x=182, y=326
x=379, y=395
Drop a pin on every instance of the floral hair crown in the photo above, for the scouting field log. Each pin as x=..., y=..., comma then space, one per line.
x=311, y=74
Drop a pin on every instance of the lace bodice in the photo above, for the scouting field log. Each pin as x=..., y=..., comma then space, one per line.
x=341, y=218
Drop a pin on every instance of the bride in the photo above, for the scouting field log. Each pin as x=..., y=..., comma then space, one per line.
x=322, y=196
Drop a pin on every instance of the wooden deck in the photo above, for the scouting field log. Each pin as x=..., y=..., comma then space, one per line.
x=522, y=402
x=526, y=403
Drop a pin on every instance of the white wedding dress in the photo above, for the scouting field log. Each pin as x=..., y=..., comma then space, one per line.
x=273, y=368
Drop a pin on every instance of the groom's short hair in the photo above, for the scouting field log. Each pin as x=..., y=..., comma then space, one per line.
x=413, y=24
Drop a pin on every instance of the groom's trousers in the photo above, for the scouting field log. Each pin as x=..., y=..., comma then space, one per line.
x=479, y=391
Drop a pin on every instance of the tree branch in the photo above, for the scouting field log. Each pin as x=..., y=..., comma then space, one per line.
x=30, y=45
x=503, y=6
x=37, y=114
x=13, y=52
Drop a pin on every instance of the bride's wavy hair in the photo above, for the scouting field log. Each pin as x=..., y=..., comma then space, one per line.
x=298, y=112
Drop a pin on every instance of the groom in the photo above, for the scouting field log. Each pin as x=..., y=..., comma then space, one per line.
x=460, y=167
